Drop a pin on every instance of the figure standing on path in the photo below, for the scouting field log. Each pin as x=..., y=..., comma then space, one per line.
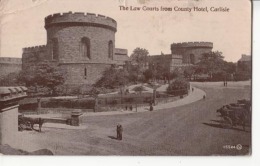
x=151, y=106
x=117, y=131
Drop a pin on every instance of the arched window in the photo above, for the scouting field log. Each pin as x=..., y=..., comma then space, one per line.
x=54, y=49
x=85, y=47
x=110, y=49
x=192, y=59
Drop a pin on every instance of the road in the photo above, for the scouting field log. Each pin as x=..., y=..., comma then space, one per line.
x=192, y=129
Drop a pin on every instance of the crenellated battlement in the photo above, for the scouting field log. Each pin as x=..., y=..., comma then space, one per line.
x=34, y=49
x=8, y=60
x=80, y=18
x=192, y=44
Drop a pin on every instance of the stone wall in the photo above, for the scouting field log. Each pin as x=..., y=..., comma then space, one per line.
x=8, y=125
x=9, y=65
x=33, y=55
x=9, y=98
x=83, y=73
x=69, y=42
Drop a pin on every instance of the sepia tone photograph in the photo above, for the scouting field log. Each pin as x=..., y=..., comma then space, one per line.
x=126, y=77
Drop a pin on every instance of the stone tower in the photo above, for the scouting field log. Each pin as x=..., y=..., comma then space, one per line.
x=83, y=44
x=191, y=51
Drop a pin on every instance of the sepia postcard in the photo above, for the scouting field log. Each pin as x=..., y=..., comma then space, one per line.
x=126, y=77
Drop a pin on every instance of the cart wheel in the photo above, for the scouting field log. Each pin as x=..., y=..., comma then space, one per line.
x=22, y=127
x=227, y=122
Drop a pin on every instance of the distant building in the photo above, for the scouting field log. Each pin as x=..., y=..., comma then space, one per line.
x=168, y=60
x=244, y=68
x=121, y=57
x=182, y=55
x=191, y=52
x=244, y=63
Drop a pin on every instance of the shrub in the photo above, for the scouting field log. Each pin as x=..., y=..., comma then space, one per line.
x=178, y=87
x=139, y=89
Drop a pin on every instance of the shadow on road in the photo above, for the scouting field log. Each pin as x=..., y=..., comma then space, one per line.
x=112, y=137
x=220, y=126
x=218, y=121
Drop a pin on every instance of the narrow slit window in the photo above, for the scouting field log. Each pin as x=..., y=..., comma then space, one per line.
x=54, y=50
x=110, y=49
x=85, y=73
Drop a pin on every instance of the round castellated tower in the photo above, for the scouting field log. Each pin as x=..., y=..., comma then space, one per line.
x=81, y=43
x=191, y=51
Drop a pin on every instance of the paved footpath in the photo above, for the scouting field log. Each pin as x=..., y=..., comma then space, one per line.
x=194, y=96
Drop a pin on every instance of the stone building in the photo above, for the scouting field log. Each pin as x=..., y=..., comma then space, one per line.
x=191, y=51
x=168, y=60
x=182, y=54
x=121, y=57
x=9, y=65
x=9, y=98
x=81, y=43
x=244, y=63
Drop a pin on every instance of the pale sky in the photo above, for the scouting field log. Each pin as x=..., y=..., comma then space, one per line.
x=22, y=25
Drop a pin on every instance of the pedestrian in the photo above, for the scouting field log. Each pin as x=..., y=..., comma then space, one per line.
x=224, y=83
x=151, y=106
x=117, y=131
x=120, y=132
x=131, y=107
x=126, y=107
x=204, y=97
x=192, y=89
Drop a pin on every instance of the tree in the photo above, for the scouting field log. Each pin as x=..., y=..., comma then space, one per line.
x=45, y=75
x=148, y=74
x=230, y=67
x=133, y=73
x=211, y=63
x=11, y=80
x=113, y=78
x=139, y=56
x=189, y=71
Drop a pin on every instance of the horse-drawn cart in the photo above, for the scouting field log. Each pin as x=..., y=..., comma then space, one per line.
x=236, y=114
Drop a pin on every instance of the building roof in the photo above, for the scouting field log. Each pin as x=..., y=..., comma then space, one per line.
x=245, y=58
x=9, y=90
x=121, y=58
